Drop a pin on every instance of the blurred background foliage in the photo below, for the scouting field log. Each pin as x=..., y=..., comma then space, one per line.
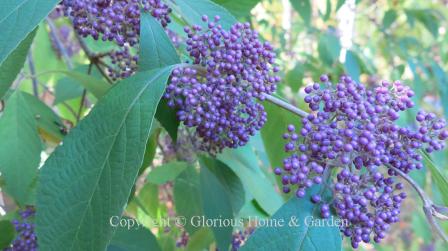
x=370, y=40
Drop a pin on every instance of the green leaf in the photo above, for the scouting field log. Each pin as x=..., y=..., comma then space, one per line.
x=148, y=199
x=327, y=11
x=389, y=18
x=18, y=19
x=238, y=8
x=150, y=152
x=96, y=86
x=8, y=233
x=303, y=7
x=168, y=119
x=156, y=49
x=216, y=205
x=89, y=177
x=302, y=236
x=272, y=131
x=426, y=17
x=187, y=196
x=193, y=10
x=140, y=239
x=67, y=89
x=14, y=63
x=244, y=163
x=200, y=240
x=294, y=77
x=228, y=179
x=167, y=172
x=48, y=123
x=329, y=48
x=440, y=180
x=442, y=83
x=20, y=147
x=352, y=65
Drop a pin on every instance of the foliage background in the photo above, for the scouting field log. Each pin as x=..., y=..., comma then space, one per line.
x=390, y=39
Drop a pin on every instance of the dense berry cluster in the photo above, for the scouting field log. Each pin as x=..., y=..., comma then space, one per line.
x=218, y=94
x=26, y=238
x=368, y=202
x=354, y=127
x=117, y=21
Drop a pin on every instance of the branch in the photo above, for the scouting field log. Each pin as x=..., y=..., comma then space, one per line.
x=33, y=72
x=431, y=210
x=59, y=44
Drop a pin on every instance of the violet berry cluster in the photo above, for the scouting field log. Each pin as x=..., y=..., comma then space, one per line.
x=117, y=21
x=183, y=240
x=26, y=238
x=217, y=95
x=354, y=128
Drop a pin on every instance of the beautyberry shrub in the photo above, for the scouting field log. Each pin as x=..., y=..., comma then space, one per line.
x=217, y=95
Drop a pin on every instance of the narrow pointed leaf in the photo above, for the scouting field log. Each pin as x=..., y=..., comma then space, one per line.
x=193, y=10
x=89, y=178
x=156, y=49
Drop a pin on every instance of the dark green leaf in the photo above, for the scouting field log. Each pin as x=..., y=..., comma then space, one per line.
x=18, y=19
x=303, y=7
x=66, y=89
x=20, y=147
x=89, y=177
x=352, y=65
x=294, y=77
x=140, y=239
x=168, y=119
x=216, y=207
x=193, y=11
x=327, y=11
x=168, y=243
x=301, y=237
x=228, y=179
x=156, y=49
x=244, y=163
x=389, y=18
x=166, y=172
x=7, y=233
x=237, y=7
x=14, y=63
x=187, y=196
x=96, y=86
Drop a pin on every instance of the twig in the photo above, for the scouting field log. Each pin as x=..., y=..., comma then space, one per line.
x=431, y=210
x=93, y=58
x=59, y=44
x=33, y=72
x=84, y=95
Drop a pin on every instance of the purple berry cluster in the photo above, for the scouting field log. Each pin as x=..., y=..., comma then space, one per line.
x=117, y=21
x=369, y=203
x=353, y=127
x=218, y=94
x=26, y=238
